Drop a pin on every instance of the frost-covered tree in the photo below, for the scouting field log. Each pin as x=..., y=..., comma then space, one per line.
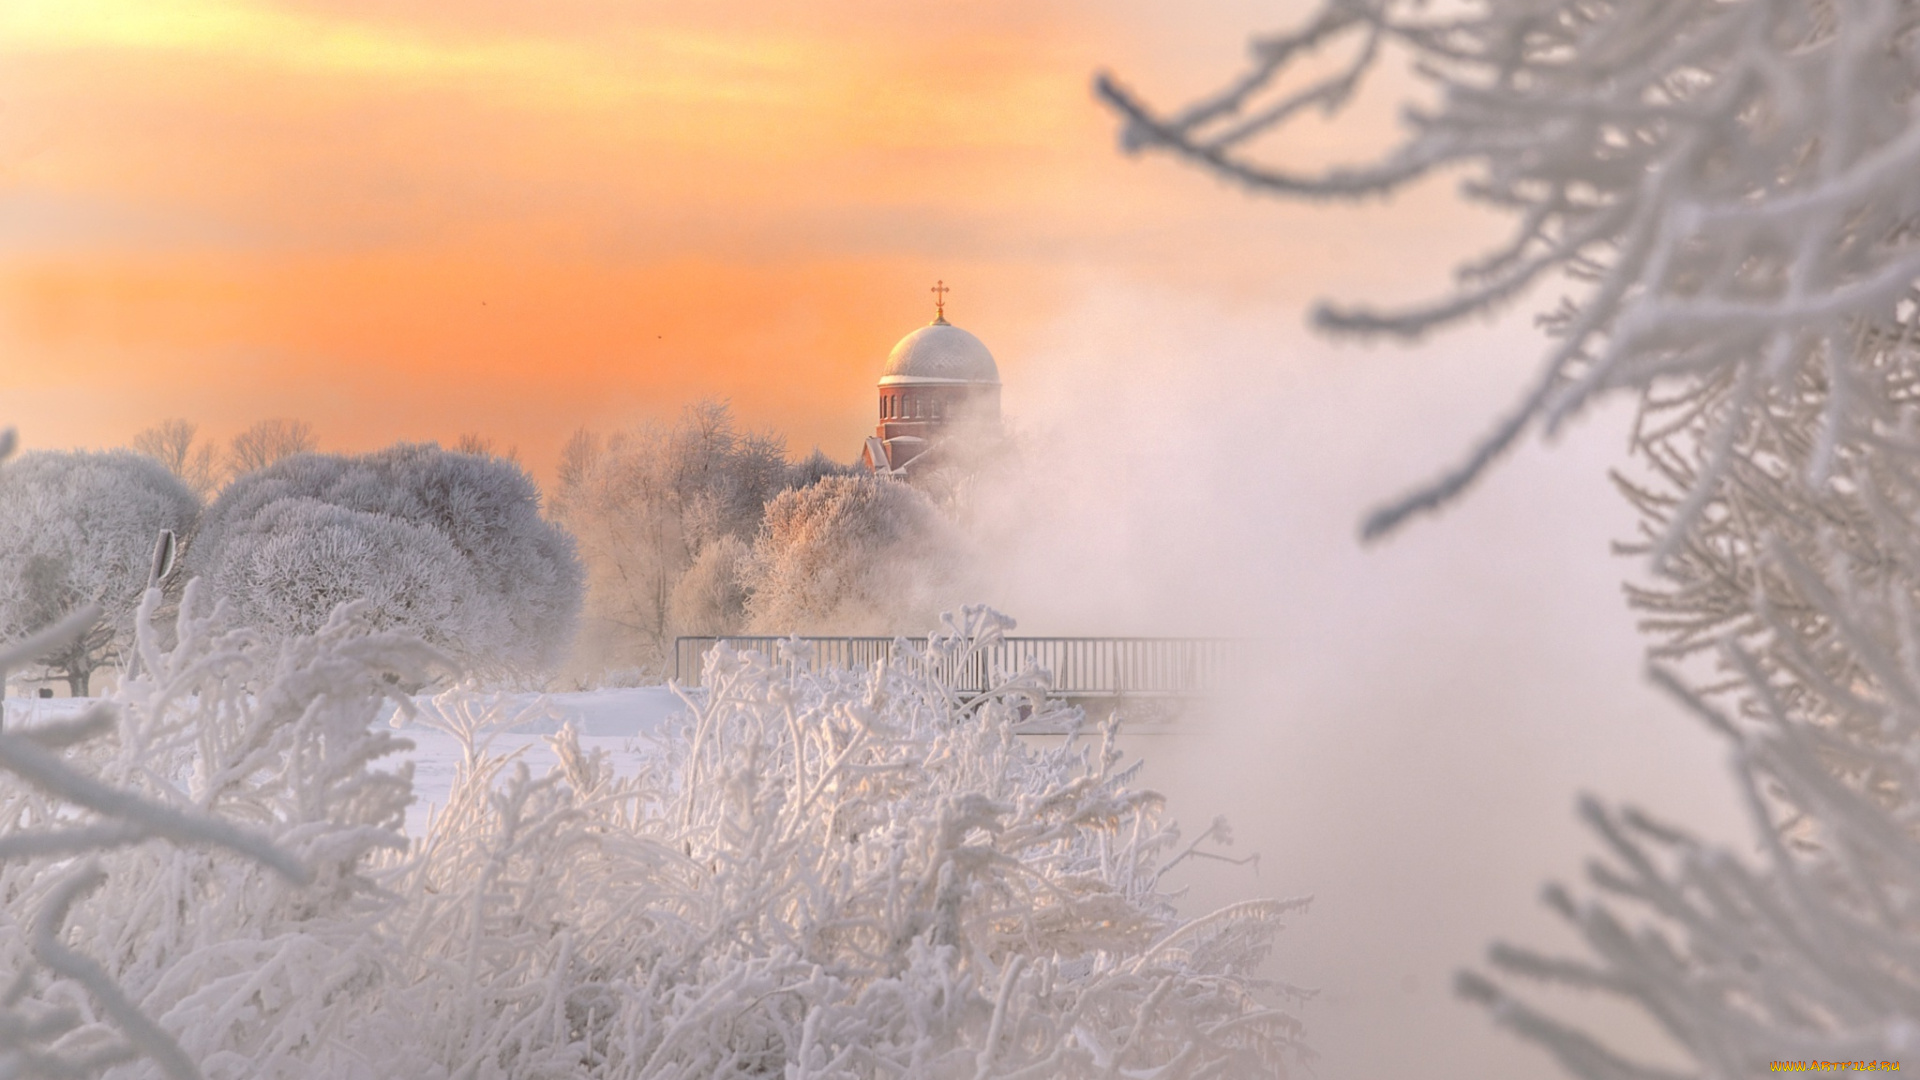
x=1727, y=188
x=266, y=443
x=817, y=466
x=645, y=504
x=853, y=555
x=833, y=874
x=476, y=443
x=78, y=528
x=449, y=546
x=711, y=596
x=172, y=443
x=301, y=558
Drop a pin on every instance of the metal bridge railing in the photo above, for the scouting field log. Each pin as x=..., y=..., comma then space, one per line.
x=1079, y=666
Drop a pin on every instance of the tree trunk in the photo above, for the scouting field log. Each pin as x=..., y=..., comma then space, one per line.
x=77, y=679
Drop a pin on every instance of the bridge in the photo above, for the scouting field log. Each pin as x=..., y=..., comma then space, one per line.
x=1083, y=669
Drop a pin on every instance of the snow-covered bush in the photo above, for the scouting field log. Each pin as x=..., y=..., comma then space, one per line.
x=853, y=555
x=449, y=546
x=830, y=874
x=1733, y=182
x=186, y=866
x=302, y=558
x=646, y=504
x=78, y=528
x=833, y=874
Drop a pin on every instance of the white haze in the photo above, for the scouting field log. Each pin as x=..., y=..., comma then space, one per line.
x=1430, y=706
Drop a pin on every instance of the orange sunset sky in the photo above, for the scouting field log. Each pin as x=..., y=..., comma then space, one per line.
x=418, y=219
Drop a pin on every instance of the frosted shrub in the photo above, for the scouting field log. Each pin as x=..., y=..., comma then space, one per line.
x=78, y=528
x=187, y=867
x=302, y=558
x=829, y=874
x=449, y=546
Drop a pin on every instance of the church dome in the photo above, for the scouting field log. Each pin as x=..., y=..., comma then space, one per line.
x=940, y=353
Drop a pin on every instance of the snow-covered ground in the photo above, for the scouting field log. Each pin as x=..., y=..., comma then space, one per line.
x=622, y=722
x=28, y=710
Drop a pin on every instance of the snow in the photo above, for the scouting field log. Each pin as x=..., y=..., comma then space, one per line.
x=623, y=723
x=33, y=710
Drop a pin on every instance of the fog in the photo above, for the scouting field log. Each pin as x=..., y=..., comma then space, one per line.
x=1428, y=708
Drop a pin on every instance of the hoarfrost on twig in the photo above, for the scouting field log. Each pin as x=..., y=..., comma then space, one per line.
x=1732, y=181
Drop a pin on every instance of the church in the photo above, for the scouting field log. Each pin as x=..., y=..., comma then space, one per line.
x=939, y=397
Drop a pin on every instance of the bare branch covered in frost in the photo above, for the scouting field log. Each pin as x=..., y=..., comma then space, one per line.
x=1731, y=181
x=265, y=444
x=1785, y=620
x=173, y=443
x=252, y=760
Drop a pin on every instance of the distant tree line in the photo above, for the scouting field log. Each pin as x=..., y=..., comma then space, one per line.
x=692, y=527
x=698, y=527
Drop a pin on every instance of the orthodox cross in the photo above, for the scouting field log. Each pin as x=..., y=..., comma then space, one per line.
x=940, y=292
